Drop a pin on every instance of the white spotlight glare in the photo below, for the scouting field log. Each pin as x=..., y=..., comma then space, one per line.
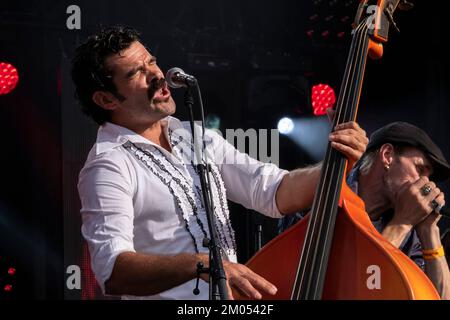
x=285, y=125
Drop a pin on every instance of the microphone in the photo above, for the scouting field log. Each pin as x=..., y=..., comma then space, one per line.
x=176, y=78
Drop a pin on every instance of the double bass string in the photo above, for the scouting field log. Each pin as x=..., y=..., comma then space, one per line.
x=304, y=266
x=337, y=176
x=308, y=254
x=352, y=67
x=352, y=111
x=346, y=113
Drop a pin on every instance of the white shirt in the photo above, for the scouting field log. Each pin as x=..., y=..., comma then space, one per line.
x=138, y=197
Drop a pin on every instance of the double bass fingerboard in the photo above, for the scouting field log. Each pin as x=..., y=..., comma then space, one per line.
x=313, y=262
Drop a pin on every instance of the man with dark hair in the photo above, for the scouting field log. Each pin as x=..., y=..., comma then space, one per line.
x=394, y=178
x=90, y=73
x=142, y=211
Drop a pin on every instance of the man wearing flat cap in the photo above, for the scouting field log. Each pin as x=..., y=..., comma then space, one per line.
x=396, y=179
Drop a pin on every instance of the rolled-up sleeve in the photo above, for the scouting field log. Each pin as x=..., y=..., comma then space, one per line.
x=107, y=214
x=248, y=182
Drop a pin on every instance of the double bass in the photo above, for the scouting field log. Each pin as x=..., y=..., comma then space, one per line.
x=335, y=252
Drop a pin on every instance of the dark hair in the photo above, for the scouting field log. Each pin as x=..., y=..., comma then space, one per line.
x=89, y=72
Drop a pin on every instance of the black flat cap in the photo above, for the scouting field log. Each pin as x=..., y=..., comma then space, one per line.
x=407, y=134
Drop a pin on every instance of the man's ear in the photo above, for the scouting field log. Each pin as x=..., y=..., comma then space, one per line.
x=105, y=100
x=387, y=154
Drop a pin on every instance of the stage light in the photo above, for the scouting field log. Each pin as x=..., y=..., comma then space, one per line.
x=8, y=78
x=314, y=17
x=311, y=135
x=322, y=97
x=285, y=125
x=11, y=271
x=333, y=19
x=325, y=34
x=8, y=288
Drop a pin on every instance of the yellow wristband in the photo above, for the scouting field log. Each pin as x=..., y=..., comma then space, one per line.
x=432, y=254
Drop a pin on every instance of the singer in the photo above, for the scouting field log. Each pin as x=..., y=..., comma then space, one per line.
x=142, y=213
x=395, y=178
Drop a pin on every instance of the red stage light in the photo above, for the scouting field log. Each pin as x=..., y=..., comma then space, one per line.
x=325, y=34
x=314, y=17
x=11, y=271
x=8, y=288
x=8, y=78
x=323, y=97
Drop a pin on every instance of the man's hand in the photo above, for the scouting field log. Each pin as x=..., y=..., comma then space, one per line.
x=296, y=190
x=428, y=223
x=429, y=235
x=412, y=206
x=349, y=139
x=245, y=281
x=428, y=227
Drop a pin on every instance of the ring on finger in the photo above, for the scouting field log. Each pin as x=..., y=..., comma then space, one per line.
x=435, y=205
x=425, y=190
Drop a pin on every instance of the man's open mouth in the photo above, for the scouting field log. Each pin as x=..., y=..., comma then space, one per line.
x=158, y=90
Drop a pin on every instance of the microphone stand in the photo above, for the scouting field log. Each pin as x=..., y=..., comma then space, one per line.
x=217, y=276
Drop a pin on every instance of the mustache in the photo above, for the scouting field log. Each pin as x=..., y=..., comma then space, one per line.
x=155, y=85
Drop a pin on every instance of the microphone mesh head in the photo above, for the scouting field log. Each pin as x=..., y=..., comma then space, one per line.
x=169, y=78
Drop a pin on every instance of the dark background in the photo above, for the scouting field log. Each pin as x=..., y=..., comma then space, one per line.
x=255, y=62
